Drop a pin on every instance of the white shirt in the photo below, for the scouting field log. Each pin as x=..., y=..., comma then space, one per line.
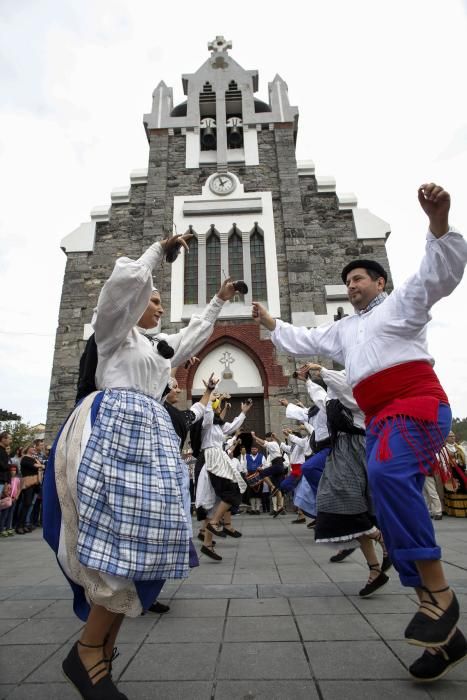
x=318, y=421
x=214, y=435
x=126, y=358
x=338, y=388
x=392, y=333
x=298, y=448
x=273, y=450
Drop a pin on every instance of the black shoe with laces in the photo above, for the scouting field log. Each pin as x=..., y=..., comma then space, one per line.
x=425, y=631
x=386, y=563
x=232, y=533
x=340, y=556
x=431, y=667
x=159, y=608
x=75, y=672
x=211, y=553
x=373, y=586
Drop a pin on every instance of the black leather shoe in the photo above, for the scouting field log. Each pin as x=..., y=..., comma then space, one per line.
x=425, y=631
x=201, y=538
x=340, y=556
x=159, y=608
x=214, y=531
x=373, y=586
x=432, y=667
x=298, y=521
x=211, y=553
x=76, y=673
x=386, y=564
x=232, y=533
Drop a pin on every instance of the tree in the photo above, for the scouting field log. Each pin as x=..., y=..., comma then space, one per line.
x=21, y=433
x=8, y=415
x=459, y=428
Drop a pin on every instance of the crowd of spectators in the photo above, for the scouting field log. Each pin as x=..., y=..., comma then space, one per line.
x=21, y=486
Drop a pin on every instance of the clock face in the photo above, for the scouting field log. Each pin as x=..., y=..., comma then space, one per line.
x=222, y=184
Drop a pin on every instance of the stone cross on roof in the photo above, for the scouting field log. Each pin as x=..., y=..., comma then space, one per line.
x=219, y=45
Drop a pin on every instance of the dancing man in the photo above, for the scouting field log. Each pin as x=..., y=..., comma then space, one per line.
x=384, y=350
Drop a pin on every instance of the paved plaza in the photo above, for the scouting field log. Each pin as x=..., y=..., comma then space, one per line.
x=273, y=621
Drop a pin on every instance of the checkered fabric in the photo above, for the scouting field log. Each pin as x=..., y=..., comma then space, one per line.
x=130, y=481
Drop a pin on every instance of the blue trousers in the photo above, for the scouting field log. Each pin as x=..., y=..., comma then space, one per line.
x=396, y=486
x=314, y=467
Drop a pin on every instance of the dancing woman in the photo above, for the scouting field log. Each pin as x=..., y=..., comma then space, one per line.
x=113, y=503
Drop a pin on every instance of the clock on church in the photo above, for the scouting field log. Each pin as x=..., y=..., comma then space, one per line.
x=222, y=184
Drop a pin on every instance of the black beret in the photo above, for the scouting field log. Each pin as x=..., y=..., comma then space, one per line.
x=367, y=265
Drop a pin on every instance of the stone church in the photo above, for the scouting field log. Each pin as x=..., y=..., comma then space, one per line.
x=222, y=166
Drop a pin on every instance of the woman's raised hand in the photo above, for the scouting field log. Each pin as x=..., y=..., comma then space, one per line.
x=170, y=245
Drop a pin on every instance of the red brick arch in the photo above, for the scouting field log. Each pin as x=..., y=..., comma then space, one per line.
x=246, y=337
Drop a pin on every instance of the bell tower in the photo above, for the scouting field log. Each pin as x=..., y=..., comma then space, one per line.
x=222, y=165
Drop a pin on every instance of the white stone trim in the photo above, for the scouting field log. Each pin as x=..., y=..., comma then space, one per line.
x=326, y=183
x=368, y=225
x=222, y=206
x=100, y=213
x=120, y=195
x=81, y=240
x=305, y=167
x=335, y=291
x=139, y=176
x=250, y=146
x=347, y=200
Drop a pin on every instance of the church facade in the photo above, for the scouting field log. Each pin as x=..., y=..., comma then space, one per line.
x=222, y=166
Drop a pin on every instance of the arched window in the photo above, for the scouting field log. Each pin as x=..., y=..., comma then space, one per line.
x=236, y=257
x=213, y=264
x=191, y=274
x=258, y=266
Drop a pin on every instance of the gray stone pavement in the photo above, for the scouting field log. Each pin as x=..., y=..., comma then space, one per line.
x=274, y=620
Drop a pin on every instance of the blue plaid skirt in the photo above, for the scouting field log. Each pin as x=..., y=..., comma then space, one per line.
x=130, y=491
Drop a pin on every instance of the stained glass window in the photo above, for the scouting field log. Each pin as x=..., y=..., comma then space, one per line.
x=191, y=273
x=213, y=265
x=258, y=267
x=236, y=258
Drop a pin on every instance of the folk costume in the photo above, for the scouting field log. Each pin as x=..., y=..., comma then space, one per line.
x=407, y=414
x=345, y=510
x=113, y=491
x=312, y=468
x=225, y=480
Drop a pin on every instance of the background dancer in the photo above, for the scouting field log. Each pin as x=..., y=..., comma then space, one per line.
x=272, y=471
x=344, y=505
x=225, y=479
x=384, y=350
x=113, y=507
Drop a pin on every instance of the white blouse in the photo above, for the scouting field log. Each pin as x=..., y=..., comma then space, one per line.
x=214, y=435
x=338, y=388
x=392, y=333
x=297, y=450
x=318, y=422
x=127, y=359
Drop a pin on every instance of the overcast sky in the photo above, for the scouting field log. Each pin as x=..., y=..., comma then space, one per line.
x=381, y=91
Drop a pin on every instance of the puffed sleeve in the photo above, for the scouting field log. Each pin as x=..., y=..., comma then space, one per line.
x=441, y=270
x=193, y=337
x=124, y=298
x=337, y=382
x=300, y=341
x=296, y=412
x=317, y=394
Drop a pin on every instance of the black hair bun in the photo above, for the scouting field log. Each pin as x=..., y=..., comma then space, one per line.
x=164, y=349
x=241, y=286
